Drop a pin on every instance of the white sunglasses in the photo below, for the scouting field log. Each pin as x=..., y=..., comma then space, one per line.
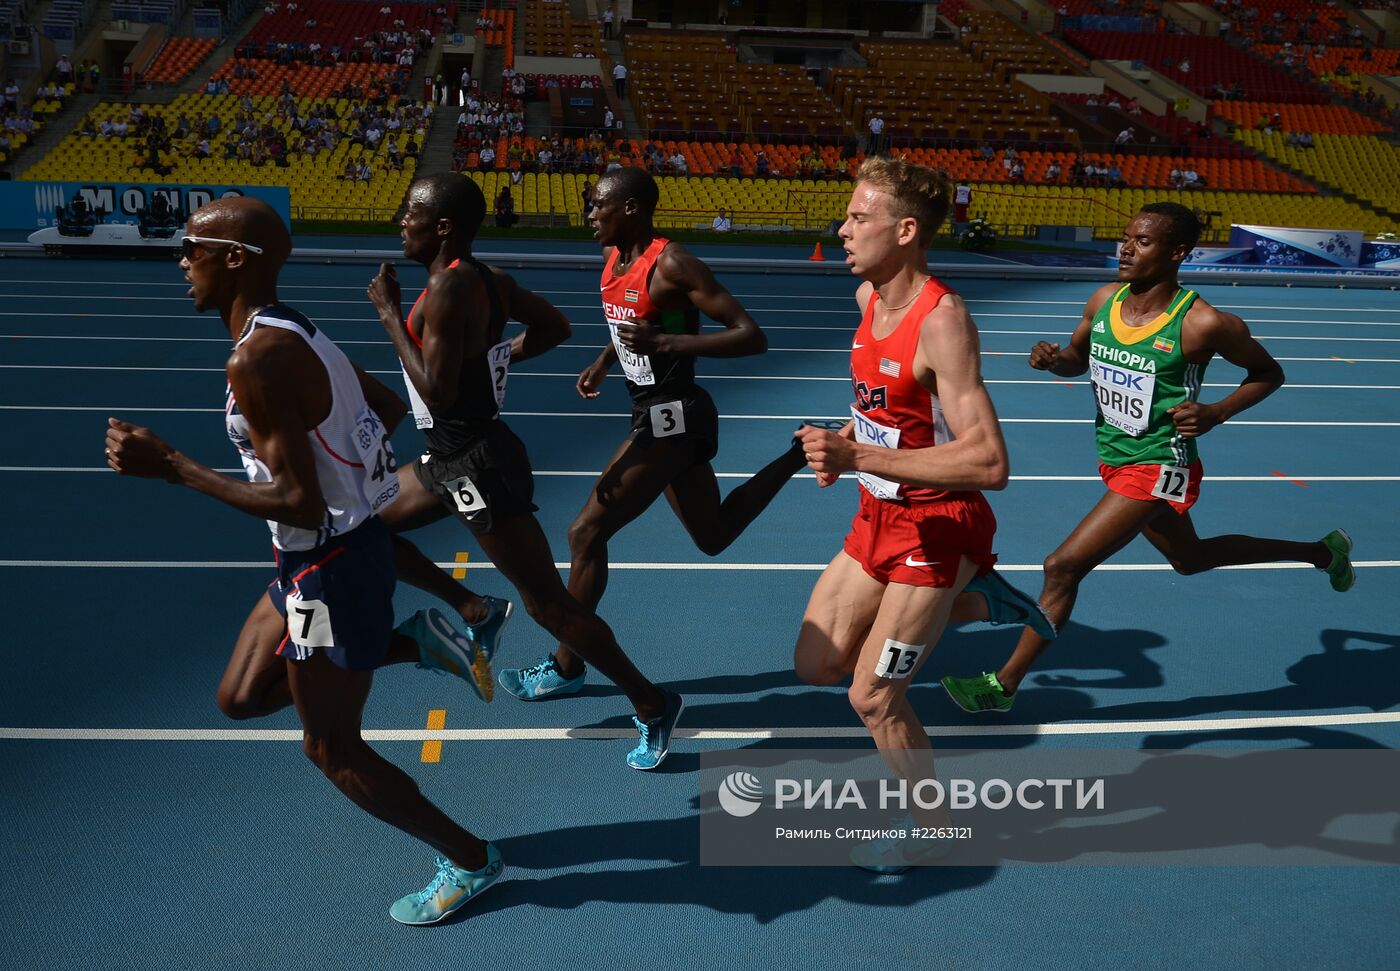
x=188, y=243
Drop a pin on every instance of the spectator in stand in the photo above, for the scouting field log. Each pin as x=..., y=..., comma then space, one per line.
x=722, y=222
x=352, y=170
x=608, y=119
x=962, y=198
x=464, y=86
x=11, y=95
x=1114, y=176
x=736, y=163
x=608, y=17
x=1052, y=173
x=587, y=196
x=1124, y=139
x=678, y=164
x=1018, y=171
x=620, y=79
x=1190, y=179
x=987, y=153
x=877, y=132
x=505, y=209
x=201, y=149
x=487, y=158
x=762, y=167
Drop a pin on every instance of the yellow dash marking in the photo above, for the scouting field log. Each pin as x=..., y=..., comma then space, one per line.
x=437, y=721
x=1346, y=359
x=459, y=572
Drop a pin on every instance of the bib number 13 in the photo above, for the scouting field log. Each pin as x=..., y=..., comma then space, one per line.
x=1171, y=483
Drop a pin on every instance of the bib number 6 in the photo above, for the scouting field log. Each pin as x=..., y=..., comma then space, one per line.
x=465, y=495
x=1171, y=483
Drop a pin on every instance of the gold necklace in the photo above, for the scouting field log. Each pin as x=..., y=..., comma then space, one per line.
x=917, y=290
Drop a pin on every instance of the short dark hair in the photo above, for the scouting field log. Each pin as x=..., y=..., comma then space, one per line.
x=1185, y=226
x=635, y=183
x=451, y=195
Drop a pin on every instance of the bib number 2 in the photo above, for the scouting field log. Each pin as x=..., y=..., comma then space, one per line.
x=1171, y=483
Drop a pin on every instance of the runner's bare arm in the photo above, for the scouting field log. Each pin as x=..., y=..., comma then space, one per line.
x=591, y=378
x=1072, y=361
x=386, y=403
x=451, y=326
x=678, y=271
x=545, y=326
x=268, y=377
x=1208, y=329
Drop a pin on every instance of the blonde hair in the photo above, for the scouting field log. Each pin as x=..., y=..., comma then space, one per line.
x=915, y=191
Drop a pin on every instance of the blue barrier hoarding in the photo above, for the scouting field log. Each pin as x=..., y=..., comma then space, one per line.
x=34, y=205
x=1291, y=246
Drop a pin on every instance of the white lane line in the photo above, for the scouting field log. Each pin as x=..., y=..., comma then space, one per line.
x=573, y=376
x=764, y=311
x=23, y=734
x=586, y=474
x=593, y=347
x=119, y=409
x=708, y=566
x=847, y=298
x=190, y=318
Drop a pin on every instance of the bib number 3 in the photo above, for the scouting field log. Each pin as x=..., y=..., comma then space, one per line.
x=1171, y=483
x=667, y=419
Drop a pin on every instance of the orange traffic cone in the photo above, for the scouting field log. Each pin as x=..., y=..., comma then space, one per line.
x=817, y=256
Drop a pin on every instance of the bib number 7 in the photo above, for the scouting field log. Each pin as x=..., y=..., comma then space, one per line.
x=309, y=622
x=1171, y=483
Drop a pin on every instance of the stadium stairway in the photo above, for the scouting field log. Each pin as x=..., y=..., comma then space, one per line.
x=55, y=130
x=202, y=74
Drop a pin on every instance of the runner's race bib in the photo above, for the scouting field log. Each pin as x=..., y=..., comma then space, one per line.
x=381, y=481
x=422, y=417
x=667, y=419
x=873, y=433
x=637, y=367
x=1172, y=481
x=1124, y=396
x=499, y=361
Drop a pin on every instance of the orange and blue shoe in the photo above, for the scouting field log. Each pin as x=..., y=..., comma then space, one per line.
x=443, y=648
x=451, y=889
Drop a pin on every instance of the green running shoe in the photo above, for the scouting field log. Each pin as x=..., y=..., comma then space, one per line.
x=982, y=693
x=1340, y=570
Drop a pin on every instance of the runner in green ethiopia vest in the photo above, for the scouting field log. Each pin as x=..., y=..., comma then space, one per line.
x=1145, y=342
x=1137, y=373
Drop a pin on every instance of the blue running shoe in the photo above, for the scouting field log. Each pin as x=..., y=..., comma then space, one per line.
x=489, y=632
x=450, y=890
x=540, y=682
x=1007, y=605
x=442, y=648
x=894, y=855
x=655, y=742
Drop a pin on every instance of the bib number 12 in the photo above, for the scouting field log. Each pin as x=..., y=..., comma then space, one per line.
x=1171, y=483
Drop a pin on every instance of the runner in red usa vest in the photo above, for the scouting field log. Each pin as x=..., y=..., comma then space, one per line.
x=1146, y=342
x=653, y=293
x=923, y=441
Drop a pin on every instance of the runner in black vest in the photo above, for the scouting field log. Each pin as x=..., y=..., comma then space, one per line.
x=451, y=347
